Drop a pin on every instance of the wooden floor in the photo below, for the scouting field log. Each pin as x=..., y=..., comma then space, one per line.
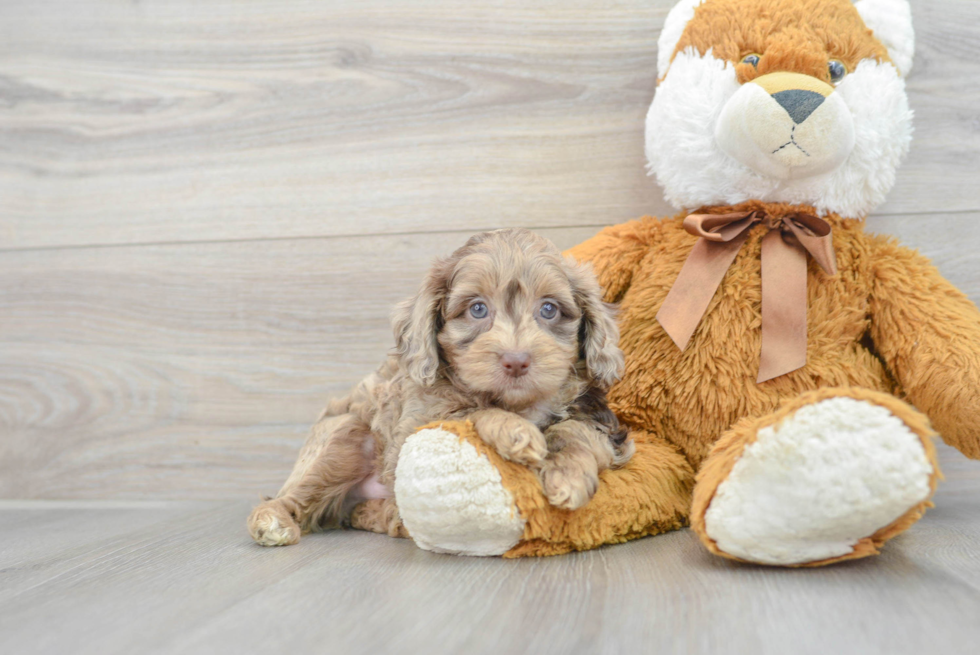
x=183, y=577
x=207, y=210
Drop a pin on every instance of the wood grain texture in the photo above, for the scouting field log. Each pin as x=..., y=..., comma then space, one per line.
x=225, y=156
x=207, y=210
x=178, y=120
x=186, y=579
x=195, y=370
x=182, y=370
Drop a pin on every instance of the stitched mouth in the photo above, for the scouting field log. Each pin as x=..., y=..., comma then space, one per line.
x=791, y=142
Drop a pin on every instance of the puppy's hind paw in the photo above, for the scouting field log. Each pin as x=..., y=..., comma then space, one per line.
x=271, y=525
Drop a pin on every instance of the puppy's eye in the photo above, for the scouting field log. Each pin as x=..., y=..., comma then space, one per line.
x=478, y=310
x=752, y=59
x=837, y=71
x=549, y=310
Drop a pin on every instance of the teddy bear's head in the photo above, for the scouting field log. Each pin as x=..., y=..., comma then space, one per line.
x=799, y=101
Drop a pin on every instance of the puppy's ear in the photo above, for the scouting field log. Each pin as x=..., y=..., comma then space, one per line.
x=598, y=331
x=417, y=321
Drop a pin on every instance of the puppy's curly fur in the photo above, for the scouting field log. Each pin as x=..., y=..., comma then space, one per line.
x=505, y=332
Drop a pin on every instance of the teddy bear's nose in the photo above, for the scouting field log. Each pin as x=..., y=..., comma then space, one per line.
x=798, y=103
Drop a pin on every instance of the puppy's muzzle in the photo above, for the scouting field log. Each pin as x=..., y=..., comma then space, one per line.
x=515, y=364
x=786, y=126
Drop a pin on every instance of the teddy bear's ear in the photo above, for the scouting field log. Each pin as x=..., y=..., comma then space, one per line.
x=673, y=29
x=891, y=22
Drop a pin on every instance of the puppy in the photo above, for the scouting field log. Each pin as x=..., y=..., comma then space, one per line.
x=506, y=333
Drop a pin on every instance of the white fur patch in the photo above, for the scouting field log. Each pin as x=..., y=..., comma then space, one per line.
x=694, y=171
x=675, y=23
x=891, y=22
x=452, y=499
x=833, y=473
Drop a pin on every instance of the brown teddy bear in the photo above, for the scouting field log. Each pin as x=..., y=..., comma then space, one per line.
x=782, y=364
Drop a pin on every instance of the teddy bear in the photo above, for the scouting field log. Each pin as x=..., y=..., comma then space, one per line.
x=786, y=371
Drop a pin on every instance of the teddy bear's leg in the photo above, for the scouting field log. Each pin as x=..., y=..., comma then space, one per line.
x=457, y=494
x=831, y=475
x=452, y=497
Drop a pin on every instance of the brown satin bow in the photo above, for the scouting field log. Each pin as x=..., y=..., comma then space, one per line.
x=784, y=251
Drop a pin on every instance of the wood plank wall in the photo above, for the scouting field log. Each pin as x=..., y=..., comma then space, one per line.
x=207, y=209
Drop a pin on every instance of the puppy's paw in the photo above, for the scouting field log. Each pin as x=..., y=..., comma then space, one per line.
x=521, y=441
x=514, y=437
x=568, y=487
x=378, y=515
x=271, y=525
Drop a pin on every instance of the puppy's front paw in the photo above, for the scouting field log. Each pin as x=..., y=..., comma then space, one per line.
x=514, y=437
x=521, y=441
x=568, y=487
x=271, y=525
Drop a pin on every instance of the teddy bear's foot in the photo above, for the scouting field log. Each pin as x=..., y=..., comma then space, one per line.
x=830, y=476
x=452, y=499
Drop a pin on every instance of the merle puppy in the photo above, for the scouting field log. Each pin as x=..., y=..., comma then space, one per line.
x=506, y=333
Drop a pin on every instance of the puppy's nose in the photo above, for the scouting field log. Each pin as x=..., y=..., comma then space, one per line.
x=516, y=364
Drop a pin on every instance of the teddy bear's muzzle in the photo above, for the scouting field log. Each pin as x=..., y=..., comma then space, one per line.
x=786, y=126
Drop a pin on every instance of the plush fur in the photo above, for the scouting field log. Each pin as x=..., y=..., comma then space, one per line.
x=875, y=467
x=472, y=515
x=505, y=333
x=831, y=460
x=888, y=322
x=706, y=74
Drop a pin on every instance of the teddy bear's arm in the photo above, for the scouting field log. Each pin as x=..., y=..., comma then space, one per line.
x=928, y=333
x=614, y=254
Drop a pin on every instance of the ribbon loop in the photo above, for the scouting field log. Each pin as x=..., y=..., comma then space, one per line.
x=814, y=234
x=719, y=227
x=783, y=279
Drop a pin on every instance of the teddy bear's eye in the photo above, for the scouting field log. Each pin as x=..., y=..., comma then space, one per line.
x=837, y=71
x=752, y=59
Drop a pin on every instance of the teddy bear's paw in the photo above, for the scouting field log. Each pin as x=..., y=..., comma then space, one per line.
x=271, y=525
x=810, y=488
x=452, y=499
x=568, y=485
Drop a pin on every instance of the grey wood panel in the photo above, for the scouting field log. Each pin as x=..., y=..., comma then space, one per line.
x=951, y=241
x=193, y=583
x=42, y=541
x=179, y=120
x=188, y=370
